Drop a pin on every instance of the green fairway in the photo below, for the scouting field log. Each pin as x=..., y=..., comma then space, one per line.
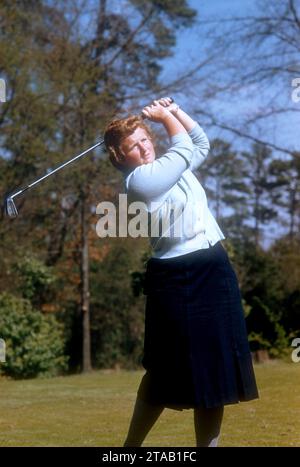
x=95, y=410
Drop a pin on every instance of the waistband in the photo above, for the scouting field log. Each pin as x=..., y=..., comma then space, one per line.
x=203, y=252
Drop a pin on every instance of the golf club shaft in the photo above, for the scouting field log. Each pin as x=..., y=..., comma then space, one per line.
x=57, y=169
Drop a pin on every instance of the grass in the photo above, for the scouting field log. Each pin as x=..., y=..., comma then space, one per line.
x=95, y=410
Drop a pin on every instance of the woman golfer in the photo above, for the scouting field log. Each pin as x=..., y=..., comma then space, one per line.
x=196, y=352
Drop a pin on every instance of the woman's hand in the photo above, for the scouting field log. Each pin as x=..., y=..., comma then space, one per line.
x=177, y=112
x=156, y=112
x=169, y=104
x=161, y=114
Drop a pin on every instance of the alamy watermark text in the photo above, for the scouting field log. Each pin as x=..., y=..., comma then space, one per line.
x=2, y=90
x=2, y=351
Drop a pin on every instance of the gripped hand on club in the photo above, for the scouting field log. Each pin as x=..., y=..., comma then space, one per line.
x=155, y=111
x=169, y=103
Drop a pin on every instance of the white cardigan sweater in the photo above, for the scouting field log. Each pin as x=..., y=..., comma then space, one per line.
x=180, y=220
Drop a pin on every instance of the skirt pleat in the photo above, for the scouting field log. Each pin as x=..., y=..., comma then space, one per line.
x=196, y=350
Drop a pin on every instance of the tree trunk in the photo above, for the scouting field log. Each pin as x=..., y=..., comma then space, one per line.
x=85, y=294
x=293, y=207
x=218, y=196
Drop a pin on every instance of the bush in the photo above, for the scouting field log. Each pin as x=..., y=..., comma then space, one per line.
x=34, y=342
x=35, y=279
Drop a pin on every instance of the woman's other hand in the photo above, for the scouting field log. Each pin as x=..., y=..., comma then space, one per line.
x=169, y=103
x=177, y=112
x=156, y=112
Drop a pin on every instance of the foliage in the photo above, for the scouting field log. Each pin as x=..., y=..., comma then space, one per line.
x=34, y=342
x=117, y=315
x=68, y=71
x=273, y=336
x=265, y=289
x=35, y=277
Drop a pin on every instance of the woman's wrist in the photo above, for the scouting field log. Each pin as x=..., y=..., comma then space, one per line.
x=172, y=124
x=174, y=109
x=183, y=118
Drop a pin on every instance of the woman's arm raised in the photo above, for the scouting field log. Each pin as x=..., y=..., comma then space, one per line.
x=199, y=138
x=151, y=182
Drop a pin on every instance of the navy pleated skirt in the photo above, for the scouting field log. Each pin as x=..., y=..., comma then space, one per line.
x=196, y=351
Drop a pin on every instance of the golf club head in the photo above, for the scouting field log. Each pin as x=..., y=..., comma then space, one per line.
x=10, y=208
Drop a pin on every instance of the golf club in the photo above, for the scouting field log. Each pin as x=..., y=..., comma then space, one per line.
x=10, y=207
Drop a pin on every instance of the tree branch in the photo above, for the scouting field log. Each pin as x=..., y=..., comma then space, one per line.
x=130, y=38
x=238, y=132
x=294, y=12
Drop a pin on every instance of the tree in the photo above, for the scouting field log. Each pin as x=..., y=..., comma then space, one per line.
x=262, y=197
x=285, y=254
x=67, y=85
x=287, y=173
x=224, y=176
x=263, y=291
x=257, y=54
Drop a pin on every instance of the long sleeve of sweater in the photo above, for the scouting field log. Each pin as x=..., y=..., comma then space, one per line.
x=180, y=220
x=201, y=146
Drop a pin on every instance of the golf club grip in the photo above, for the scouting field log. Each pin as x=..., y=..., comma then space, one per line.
x=144, y=116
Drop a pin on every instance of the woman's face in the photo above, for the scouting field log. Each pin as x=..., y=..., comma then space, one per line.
x=137, y=149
